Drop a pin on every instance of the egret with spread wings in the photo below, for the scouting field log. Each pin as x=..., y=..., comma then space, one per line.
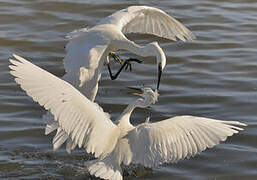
x=113, y=144
x=88, y=49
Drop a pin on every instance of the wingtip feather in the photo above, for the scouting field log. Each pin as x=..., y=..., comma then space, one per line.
x=12, y=67
x=12, y=72
x=17, y=56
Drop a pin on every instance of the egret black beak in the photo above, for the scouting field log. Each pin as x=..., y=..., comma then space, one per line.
x=159, y=75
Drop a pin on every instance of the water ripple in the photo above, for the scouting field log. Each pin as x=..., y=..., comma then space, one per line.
x=214, y=76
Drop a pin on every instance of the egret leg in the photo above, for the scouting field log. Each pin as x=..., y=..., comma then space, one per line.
x=126, y=64
x=117, y=58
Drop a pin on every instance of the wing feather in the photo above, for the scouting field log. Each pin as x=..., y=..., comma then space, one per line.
x=177, y=138
x=148, y=20
x=79, y=118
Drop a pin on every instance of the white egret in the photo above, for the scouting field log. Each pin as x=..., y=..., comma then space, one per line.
x=113, y=144
x=88, y=49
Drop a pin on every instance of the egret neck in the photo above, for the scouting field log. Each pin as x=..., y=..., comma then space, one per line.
x=123, y=121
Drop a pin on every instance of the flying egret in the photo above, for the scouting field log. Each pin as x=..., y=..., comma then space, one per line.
x=88, y=49
x=113, y=144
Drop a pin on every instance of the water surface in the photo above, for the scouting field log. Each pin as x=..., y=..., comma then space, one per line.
x=214, y=76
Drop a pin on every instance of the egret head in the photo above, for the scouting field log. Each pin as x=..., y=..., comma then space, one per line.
x=148, y=97
x=161, y=60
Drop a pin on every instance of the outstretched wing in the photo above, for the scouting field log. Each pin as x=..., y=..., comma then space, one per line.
x=84, y=122
x=148, y=20
x=177, y=138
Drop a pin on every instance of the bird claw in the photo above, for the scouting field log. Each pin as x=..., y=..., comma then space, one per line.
x=115, y=57
x=128, y=63
x=118, y=59
x=135, y=60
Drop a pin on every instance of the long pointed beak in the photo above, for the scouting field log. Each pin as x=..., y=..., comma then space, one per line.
x=134, y=88
x=138, y=94
x=159, y=75
x=137, y=91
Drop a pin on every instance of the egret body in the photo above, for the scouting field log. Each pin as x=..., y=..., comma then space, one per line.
x=85, y=125
x=88, y=49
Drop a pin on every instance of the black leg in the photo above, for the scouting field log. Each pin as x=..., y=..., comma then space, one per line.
x=127, y=63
